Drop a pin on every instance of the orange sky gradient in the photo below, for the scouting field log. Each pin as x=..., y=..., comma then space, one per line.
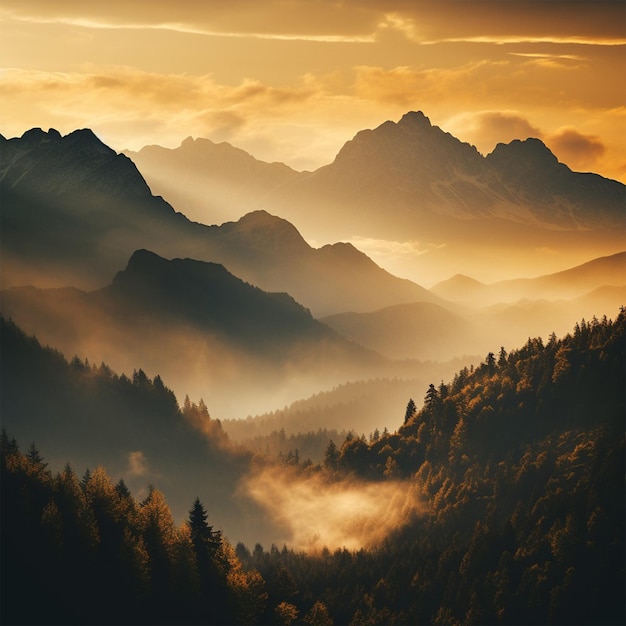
x=293, y=80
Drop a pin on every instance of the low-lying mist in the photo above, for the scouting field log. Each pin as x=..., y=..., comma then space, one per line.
x=317, y=512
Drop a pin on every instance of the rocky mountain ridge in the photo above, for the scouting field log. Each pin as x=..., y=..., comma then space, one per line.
x=74, y=211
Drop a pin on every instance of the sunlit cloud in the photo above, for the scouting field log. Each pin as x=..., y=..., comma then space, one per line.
x=387, y=248
x=423, y=21
x=170, y=106
x=513, y=39
x=318, y=513
x=293, y=20
x=485, y=129
x=543, y=55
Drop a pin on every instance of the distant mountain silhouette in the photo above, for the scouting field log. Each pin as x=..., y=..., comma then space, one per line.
x=414, y=169
x=460, y=288
x=487, y=316
x=73, y=211
x=609, y=271
x=236, y=179
x=199, y=326
x=392, y=178
x=419, y=330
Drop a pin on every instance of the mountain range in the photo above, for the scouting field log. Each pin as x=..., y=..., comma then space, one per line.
x=74, y=211
x=609, y=271
x=210, y=333
x=411, y=168
x=210, y=180
x=411, y=181
x=485, y=317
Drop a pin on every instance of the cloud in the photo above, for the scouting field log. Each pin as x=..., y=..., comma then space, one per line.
x=406, y=85
x=334, y=21
x=577, y=150
x=494, y=21
x=137, y=463
x=146, y=104
x=386, y=249
x=485, y=129
x=318, y=513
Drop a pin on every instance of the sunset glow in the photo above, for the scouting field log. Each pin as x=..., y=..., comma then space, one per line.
x=292, y=81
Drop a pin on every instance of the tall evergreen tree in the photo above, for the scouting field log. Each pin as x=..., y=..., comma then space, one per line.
x=411, y=410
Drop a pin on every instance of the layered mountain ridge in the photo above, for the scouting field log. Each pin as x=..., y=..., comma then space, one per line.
x=198, y=325
x=411, y=185
x=608, y=271
x=234, y=177
x=410, y=167
x=74, y=211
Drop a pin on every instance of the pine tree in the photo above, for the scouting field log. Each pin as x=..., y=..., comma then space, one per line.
x=411, y=409
x=212, y=569
x=331, y=456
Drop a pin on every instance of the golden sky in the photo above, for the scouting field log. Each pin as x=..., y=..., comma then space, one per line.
x=292, y=80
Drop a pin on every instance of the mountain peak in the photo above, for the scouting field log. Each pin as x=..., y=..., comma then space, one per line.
x=261, y=229
x=142, y=257
x=527, y=153
x=415, y=118
x=36, y=136
x=85, y=138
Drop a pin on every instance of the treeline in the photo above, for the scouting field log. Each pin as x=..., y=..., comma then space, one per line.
x=84, y=551
x=89, y=414
x=520, y=463
x=304, y=447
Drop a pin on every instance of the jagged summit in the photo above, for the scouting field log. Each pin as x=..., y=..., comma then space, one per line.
x=415, y=118
x=407, y=151
x=524, y=154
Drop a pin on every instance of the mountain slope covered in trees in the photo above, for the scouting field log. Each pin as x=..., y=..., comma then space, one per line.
x=519, y=466
x=520, y=463
x=88, y=415
x=86, y=552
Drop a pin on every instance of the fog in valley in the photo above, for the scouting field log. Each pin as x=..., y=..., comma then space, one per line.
x=317, y=512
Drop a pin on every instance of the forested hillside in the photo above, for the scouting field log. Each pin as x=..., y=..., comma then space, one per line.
x=520, y=464
x=90, y=415
x=519, y=469
x=86, y=552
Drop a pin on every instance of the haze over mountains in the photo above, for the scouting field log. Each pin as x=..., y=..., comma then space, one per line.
x=487, y=316
x=414, y=184
x=131, y=425
x=209, y=333
x=571, y=283
x=233, y=178
x=74, y=211
x=507, y=471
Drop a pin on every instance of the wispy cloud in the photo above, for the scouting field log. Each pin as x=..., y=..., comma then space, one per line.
x=424, y=21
